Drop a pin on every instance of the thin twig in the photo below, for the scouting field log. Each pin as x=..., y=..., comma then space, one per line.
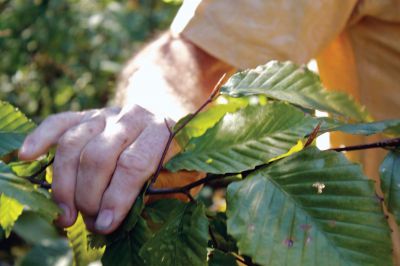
x=187, y=193
x=380, y=144
x=42, y=183
x=313, y=135
x=179, y=128
x=186, y=188
x=210, y=177
x=41, y=170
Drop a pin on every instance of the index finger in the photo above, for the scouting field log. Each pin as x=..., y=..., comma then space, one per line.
x=47, y=133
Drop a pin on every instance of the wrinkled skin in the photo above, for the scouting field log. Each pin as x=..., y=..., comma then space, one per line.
x=102, y=161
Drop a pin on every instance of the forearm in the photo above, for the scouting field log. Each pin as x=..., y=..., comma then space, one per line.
x=170, y=77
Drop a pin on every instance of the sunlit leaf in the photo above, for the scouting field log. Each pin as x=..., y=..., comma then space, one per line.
x=26, y=193
x=390, y=183
x=78, y=239
x=13, y=128
x=311, y=208
x=242, y=140
x=296, y=148
x=10, y=210
x=286, y=81
x=181, y=241
x=204, y=120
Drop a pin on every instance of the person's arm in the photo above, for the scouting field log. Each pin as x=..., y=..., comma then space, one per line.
x=105, y=156
x=173, y=68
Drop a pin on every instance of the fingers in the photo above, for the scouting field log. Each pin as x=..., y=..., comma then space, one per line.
x=43, y=137
x=66, y=163
x=134, y=167
x=99, y=157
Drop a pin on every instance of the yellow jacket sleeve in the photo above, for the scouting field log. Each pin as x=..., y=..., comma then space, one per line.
x=252, y=32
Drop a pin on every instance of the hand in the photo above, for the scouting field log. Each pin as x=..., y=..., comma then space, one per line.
x=103, y=159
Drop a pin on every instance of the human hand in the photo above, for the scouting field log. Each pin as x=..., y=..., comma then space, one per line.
x=103, y=159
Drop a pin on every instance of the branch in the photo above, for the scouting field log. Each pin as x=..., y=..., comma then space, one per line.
x=178, y=129
x=41, y=183
x=210, y=177
x=185, y=189
x=380, y=144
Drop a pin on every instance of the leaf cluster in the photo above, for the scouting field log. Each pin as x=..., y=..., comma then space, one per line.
x=288, y=203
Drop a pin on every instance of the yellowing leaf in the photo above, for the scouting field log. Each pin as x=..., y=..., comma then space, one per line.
x=78, y=239
x=10, y=210
x=296, y=148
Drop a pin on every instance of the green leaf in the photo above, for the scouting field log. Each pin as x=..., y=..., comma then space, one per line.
x=312, y=208
x=96, y=241
x=220, y=234
x=286, y=81
x=13, y=128
x=125, y=251
x=390, y=183
x=78, y=239
x=249, y=137
x=43, y=232
x=24, y=192
x=160, y=210
x=24, y=168
x=391, y=127
x=56, y=252
x=181, y=241
x=218, y=258
x=130, y=220
x=10, y=210
x=4, y=168
x=207, y=119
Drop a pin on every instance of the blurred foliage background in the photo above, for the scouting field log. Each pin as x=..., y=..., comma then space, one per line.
x=59, y=55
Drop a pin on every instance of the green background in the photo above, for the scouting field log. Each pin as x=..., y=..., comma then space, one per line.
x=58, y=55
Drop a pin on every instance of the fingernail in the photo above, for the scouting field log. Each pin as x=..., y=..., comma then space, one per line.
x=24, y=149
x=104, y=220
x=66, y=212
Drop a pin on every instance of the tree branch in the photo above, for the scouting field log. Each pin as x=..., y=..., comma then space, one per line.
x=210, y=177
x=185, y=189
x=41, y=183
x=386, y=143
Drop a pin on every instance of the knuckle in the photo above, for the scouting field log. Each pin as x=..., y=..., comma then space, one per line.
x=115, y=199
x=136, y=115
x=67, y=141
x=93, y=156
x=135, y=163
